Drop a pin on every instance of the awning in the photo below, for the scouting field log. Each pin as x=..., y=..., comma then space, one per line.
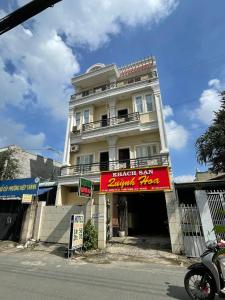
x=43, y=191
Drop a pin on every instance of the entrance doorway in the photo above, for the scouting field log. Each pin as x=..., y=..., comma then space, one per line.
x=123, y=113
x=146, y=214
x=104, y=161
x=11, y=218
x=104, y=120
x=124, y=158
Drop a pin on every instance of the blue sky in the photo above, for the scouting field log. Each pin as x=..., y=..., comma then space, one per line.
x=38, y=59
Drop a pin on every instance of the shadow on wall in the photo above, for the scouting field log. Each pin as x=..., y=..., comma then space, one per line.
x=44, y=168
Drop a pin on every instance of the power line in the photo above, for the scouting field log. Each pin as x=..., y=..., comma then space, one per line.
x=24, y=13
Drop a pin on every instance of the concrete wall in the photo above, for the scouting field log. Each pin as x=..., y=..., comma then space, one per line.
x=91, y=148
x=125, y=103
x=69, y=197
x=55, y=223
x=174, y=221
x=148, y=117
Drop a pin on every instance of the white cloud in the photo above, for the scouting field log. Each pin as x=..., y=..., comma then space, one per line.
x=184, y=178
x=177, y=135
x=209, y=102
x=167, y=111
x=42, y=58
x=16, y=133
x=44, y=62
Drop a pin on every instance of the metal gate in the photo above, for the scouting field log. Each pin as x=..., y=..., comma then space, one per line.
x=216, y=201
x=194, y=242
x=11, y=217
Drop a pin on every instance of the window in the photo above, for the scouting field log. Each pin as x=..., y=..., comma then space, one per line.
x=139, y=104
x=144, y=103
x=149, y=102
x=143, y=151
x=77, y=118
x=84, y=162
x=145, y=155
x=86, y=116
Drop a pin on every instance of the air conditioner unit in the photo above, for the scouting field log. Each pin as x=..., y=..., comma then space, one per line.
x=74, y=148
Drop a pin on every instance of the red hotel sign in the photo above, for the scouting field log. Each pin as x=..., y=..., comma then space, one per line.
x=135, y=180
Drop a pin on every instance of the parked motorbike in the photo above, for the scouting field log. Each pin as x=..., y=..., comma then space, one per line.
x=204, y=280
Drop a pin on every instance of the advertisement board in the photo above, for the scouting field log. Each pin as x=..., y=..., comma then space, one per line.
x=15, y=188
x=76, y=232
x=85, y=188
x=134, y=180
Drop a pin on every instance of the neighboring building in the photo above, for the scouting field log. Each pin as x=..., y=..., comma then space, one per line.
x=16, y=217
x=116, y=130
x=207, y=175
x=34, y=165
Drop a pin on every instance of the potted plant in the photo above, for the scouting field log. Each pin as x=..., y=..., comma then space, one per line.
x=122, y=215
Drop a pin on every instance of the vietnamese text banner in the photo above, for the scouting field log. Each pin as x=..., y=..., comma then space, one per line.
x=18, y=187
x=134, y=180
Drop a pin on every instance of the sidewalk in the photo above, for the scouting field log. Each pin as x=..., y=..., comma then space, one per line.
x=118, y=250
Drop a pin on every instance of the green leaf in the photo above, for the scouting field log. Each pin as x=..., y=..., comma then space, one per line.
x=218, y=229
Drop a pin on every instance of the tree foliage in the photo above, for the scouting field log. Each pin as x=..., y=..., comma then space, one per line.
x=210, y=147
x=9, y=164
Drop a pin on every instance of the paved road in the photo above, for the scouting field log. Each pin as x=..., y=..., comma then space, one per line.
x=38, y=276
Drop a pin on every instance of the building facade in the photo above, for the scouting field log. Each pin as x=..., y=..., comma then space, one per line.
x=33, y=165
x=16, y=217
x=115, y=134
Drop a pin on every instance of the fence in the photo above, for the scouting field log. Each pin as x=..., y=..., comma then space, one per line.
x=194, y=242
x=216, y=201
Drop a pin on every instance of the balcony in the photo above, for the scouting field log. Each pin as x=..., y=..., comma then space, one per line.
x=100, y=129
x=111, y=121
x=96, y=168
x=124, y=86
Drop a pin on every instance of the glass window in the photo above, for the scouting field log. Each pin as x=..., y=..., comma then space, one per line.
x=86, y=116
x=146, y=150
x=85, y=162
x=154, y=150
x=142, y=151
x=77, y=117
x=149, y=102
x=139, y=104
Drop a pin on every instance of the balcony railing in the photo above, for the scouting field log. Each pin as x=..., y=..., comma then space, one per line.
x=151, y=77
x=111, y=121
x=96, y=168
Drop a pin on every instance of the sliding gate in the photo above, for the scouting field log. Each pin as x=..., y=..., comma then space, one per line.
x=194, y=242
x=216, y=202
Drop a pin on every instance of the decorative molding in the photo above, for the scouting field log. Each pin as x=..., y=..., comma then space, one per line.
x=89, y=75
x=135, y=87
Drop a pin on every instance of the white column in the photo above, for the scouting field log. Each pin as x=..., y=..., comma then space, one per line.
x=159, y=111
x=112, y=151
x=102, y=221
x=66, y=155
x=174, y=222
x=58, y=200
x=112, y=111
x=204, y=211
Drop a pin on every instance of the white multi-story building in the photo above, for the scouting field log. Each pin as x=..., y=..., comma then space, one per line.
x=116, y=138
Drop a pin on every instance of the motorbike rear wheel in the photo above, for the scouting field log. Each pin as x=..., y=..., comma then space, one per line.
x=199, y=285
